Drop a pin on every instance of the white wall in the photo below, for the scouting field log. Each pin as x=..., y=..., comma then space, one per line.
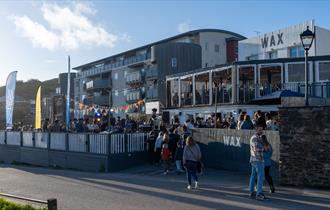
x=290, y=38
x=322, y=41
x=209, y=56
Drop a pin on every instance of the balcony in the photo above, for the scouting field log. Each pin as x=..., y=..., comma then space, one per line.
x=152, y=93
x=135, y=61
x=152, y=73
x=97, y=84
x=97, y=100
x=135, y=78
x=134, y=96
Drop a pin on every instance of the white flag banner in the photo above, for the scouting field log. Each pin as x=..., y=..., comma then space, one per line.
x=10, y=99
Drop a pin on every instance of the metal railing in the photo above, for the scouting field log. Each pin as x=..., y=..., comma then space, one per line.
x=101, y=144
x=51, y=203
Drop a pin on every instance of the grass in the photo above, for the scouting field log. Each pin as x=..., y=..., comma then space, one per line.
x=7, y=205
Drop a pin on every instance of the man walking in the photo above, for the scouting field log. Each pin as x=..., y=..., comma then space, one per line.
x=257, y=163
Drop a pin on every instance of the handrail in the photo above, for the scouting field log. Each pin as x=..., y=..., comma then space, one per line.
x=51, y=203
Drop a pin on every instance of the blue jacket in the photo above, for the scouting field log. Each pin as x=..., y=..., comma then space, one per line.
x=268, y=156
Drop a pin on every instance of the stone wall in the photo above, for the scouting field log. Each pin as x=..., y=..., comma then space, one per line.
x=305, y=146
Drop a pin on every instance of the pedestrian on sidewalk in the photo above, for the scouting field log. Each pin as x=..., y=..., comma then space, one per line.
x=191, y=156
x=158, y=147
x=166, y=155
x=268, y=152
x=257, y=163
x=179, y=154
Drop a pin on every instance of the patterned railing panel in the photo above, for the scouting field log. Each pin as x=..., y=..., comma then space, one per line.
x=117, y=143
x=77, y=142
x=57, y=141
x=27, y=139
x=135, y=142
x=98, y=143
x=41, y=140
x=14, y=138
x=2, y=137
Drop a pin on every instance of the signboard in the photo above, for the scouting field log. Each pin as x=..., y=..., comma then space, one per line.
x=152, y=105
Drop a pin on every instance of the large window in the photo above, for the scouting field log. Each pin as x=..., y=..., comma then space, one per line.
x=173, y=93
x=222, y=87
x=186, y=91
x=324, y=71
x=296, y=52
x=246, y=84
x=202, y=95
x=296, y=72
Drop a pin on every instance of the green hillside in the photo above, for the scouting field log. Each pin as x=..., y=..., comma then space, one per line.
x=28, y=89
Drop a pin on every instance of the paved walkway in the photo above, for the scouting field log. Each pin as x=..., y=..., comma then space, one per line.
x=147, y=188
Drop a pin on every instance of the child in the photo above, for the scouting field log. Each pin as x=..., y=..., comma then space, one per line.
x=166, y=155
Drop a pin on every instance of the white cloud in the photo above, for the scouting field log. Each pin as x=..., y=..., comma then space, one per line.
x=67, y=27
x=184, y=27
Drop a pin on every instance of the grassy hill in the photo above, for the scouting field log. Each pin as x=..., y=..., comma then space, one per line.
x=28, y=89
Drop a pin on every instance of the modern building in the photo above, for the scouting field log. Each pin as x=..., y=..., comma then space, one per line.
x=63, y=84
x=284, y=43
x=134, y=81
x=255, y=80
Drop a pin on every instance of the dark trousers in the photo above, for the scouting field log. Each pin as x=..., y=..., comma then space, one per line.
x=191, y=167
x=268, y=177
x=157, y=155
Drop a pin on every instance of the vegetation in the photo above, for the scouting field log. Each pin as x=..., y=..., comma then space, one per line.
x=6, y=205
x=27, y=90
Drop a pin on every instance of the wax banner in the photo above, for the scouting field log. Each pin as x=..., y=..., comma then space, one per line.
x=10, y=98
x=38, y=109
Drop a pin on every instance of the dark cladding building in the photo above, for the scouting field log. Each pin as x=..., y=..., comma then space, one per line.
x=134, y=81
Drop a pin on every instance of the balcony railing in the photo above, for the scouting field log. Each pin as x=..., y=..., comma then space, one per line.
x=152, y=93
x=97, y=100
x=97, y=84
x=152, y=73
x=131, y=61
x=135, y=78
x=134, y=95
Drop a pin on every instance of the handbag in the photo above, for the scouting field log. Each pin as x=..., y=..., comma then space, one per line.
x=200, y=165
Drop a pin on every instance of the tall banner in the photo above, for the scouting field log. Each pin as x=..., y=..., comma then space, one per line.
x=10, y=98
x=38, y=109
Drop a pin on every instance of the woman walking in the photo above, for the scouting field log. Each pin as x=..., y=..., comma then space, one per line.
x=191, y=156
x=268, y=152
x=166, y=155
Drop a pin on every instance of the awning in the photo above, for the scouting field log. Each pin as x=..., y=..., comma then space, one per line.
x=275, y=97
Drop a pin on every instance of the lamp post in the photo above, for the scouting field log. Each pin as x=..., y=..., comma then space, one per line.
x=307, y=38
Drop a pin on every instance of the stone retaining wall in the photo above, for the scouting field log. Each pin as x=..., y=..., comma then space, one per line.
x=305, y=146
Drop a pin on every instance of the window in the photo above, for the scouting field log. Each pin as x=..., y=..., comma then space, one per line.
x=115, y=76
x=272, y=54
x=116, y=92
x=296, y=52
x=324, y=71
x=296, y=72
x=173, y=61
x=216, y=48
x=206, y=46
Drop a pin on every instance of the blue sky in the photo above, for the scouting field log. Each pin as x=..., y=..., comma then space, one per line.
x=37, y=36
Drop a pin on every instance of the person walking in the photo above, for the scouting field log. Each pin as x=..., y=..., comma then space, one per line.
x=268, y=152
x=191, y=156
x=166, y=155
x=179, y=155
x=158, y=147
x=257, y=163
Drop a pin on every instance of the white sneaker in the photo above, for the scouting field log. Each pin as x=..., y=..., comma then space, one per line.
x=189, y=187
x=196, y=185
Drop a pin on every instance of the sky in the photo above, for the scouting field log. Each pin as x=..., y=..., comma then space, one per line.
x=36, y=37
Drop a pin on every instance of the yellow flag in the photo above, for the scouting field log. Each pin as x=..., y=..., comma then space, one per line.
x=38, y=109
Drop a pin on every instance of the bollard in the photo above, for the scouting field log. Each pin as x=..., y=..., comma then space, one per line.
x=52, y=204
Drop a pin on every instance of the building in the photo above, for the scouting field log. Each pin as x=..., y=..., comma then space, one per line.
x=62, y=88
x=284, y=43
x=245, y=85
x=133, y=82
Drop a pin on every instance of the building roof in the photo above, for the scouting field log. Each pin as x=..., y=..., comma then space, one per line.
x=189, y=33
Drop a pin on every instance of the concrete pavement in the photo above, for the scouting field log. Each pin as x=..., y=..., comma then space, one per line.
x=147, y=188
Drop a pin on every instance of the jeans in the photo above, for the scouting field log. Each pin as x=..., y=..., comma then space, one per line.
x=268, y=177
x=191, y=171
x=257, y=170
x=178, y=164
